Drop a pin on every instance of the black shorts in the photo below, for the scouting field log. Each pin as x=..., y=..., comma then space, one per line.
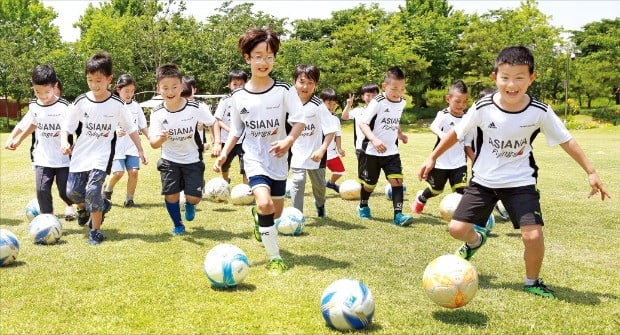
x=522, y=204
x=237, y=150
x=176, y=177
x=437, y=179
x=369, y=168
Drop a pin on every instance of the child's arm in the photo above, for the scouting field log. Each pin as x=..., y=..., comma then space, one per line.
x=145, y=131
x=376, y=142
x=347, y=108
x=448, y=141
x=156, y=140
x=320, y=152
x=14, y=142
x=280, y=148
x=136, y=140
x=574, y=150
x=230, y=143
x=217, y=139
x=338, y=140
x=470, y=153
x=404, y=138
x=223, y=126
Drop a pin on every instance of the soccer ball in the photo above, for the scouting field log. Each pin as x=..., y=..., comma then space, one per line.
x=450, y=281
x=9, y=247
x=32, y=209
x=291, y=221
x=388, y=190
x=350, y=189
x=347, y=304
x=226, y=265
x=501, y=211
x=488, y=225
x=448, y=205
x=289, y=185
x=45, y=229
x=217, y=190
x=241, y=195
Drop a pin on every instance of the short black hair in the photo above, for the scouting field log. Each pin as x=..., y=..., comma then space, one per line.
x=99, y=62
x=123, y=81
x=458, y=86
x=237, y=74
x=189, y=83
x=515, y=55
x=168, y=71
x=370, y=88
x=254, y=36
x=310, y=71
x=328, y=94
x=393, y=73
x=486, y=91
x=44, y=75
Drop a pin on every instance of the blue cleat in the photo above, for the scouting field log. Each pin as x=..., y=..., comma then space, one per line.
x=95, y=237
x=402, y=220
x=190, y=211
x=364, y=212
x=178, y=230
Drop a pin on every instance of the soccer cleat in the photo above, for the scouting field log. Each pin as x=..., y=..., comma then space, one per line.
x=256, y=226
x=83, y=216
x=539, y=288
x=320, y=211
x=402, y=220
x=364, y=212
x=190, y=211
x=332, y=186
x=417, y=206
x=466, y=252
x=178, y=230
x=129, y=203
x=70, y=214
x=276, y=266
x=95, y=237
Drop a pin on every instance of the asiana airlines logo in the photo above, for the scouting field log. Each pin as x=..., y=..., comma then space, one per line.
x=180, y=134
x=309, y=130
x=390, y=123
x=262, y=128
x=48, y=130
x=508, y=148
x=98, y=130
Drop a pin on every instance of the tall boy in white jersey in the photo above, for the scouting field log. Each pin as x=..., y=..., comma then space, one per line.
x=174, y=129
x=94, y=117
x=369, y=91
x=380, y=124
x=259, y=112
x=505, y=170
x=308, y=152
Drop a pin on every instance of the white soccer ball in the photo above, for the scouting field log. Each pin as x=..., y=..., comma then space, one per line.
x=347, y=304
x=226, y=265
x=45, y=229
x=350, y=189
x=9, y=247
x=289, y=186
x=450, y=281
x=448, y=205
x=217, y=190
x=32, y=209
x=241, y=195
x=501, y=211
x=291, y=221
x=388, y=190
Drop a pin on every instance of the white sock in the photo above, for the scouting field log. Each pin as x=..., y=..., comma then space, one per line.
x=478, y=242
x=270, y=241
x=530, y=281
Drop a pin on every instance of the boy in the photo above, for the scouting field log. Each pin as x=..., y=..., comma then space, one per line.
x=369, y=92
x=189, y=89
x=174, y=129
x=505, y=168
x=236, y=79
x=259, y=112
x=380, y=124
x=452, y=165
x=94, y=117
x=334, y=163
x=309, y=150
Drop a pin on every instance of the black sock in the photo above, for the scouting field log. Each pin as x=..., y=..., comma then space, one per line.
x=266, y=220
x=397, y=199
x=427, y=194
x=364, y=195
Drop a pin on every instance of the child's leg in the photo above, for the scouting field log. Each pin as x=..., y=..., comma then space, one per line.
x=132, y=163
x=335, y=178
x=266, y=218
x=76, y=191
x=44, y=180
x=534, y=252
x=94, y=197
x=298, y=188
x=118, y=169
x=463, y=231
x=458, y=179
x=192, y=176
x=173, y=208
x=397, y=194
x=171, y=186
x=368, y=171
x=317, y=178
x=114, y=178
x=62, y=175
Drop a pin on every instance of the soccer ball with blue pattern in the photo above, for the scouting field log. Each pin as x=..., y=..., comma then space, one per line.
x=388, y=190
x=291, y=222
x=347, y=304
x=501, y=210
x=226, y=265
x=45, y=229
x=289, y=185
x=488, y=225
x=9, y=247
x=32, y=209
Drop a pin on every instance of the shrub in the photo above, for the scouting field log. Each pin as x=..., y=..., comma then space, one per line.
x=435, y=99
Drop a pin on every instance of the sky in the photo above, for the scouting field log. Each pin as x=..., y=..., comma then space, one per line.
x=570, y=15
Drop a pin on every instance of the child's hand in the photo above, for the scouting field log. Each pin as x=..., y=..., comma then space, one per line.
x=341, y=152
x=163, y=136
x=216, y=150
x=65, y=148
x=219, y=162
x=426, y=168
x=597, y=186
x=403, y=138
x=351, y=99
x=280, y=148
x=121, y=132
x=381, y=148
x=317, y=155
x=143, y=158
x=11, y=144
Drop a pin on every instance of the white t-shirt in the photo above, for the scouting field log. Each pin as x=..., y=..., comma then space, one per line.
x=454, y=157
x=183, y=145
x=332, y=152
x=47, y=119
x=383, y=118
x=319, y=123
x=505, y=157
x=98, y=121
x=356, y=114
x=124, y=144
x=261, y=118
x=222, y=112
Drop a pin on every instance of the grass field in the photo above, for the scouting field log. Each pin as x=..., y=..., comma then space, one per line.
x=145, y=280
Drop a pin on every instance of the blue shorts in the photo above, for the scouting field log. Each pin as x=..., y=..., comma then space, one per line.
x=277, y=187
x=127, y=163
x=86, y=187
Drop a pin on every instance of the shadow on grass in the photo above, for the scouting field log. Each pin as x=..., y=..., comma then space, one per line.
x=14, y=265
x=11, y=222
x=194, y=235
x=243, y=287
x=316, y=261
x=430, y=219
x=373, y=327
x=335, y=223
x=461, y=317
x=224, y=210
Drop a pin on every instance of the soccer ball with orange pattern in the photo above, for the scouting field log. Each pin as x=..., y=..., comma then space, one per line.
x=450, y=281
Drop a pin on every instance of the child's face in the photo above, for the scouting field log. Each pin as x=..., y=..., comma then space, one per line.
x=305, y=87
x=512, y=82
x=170, y=88
x=368, y=96
x=457, y=102
x=98, y=83
x=261, y=60
x=395, y=89
x=127, y=92
x=235, y=84
x=45, y=93
x=331, y=105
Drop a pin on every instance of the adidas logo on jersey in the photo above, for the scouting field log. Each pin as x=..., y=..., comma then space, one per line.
x=387, y=110
x=244, y=111
x=165, y=121
x=451, y=123
x=492, y=125
x=85, y=114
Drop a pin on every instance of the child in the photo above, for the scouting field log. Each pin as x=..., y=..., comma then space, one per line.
x=452, y=165
x=334, y=163
x=174, y=129
x=505, y=168
x=236, y=79
x=309, y=150
x=126, y=154
x=94, y=116
x=189, y=89
x=380, y=124
x=45, y=114
x=259, y=112
x=369, y=92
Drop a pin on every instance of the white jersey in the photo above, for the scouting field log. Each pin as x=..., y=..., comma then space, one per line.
x=95, y=123
x=383, y=118
x=124, y=145
x=183, y=145
x=454, y=157
x=319, y=123
x=358, y=137
x=261, y=118
x=505, y=157
x=222, y=113
x=48, y=118
x=332, y=152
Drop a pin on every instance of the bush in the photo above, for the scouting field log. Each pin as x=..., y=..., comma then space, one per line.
x=435, y=99
x=611, y=114
x=573, y=108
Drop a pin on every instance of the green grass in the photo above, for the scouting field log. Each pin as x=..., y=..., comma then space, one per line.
x=144, y=280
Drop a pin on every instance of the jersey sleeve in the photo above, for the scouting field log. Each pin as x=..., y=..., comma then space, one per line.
x=328, y=123
x=469, y=138
x=156, y=126
x=553, y=128
x=26, y=121
x=142, y=124
x=72, y=120
x=338, y=126
x=204, y=116
x=236, y=124
x=370, y=112
x=293, y=106
x=470, y=120
x=437, y=121
x=124, y=119
x=219, y=111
